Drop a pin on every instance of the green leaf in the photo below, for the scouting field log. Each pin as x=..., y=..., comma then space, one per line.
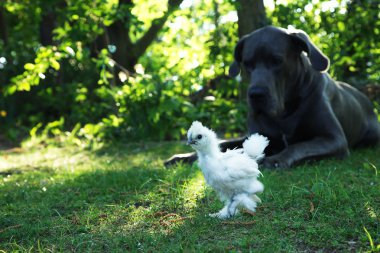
x=341, y=26
x=54, y=64
x=29, y=66
x=75, y=17
x=10, y=90
x=24, y=86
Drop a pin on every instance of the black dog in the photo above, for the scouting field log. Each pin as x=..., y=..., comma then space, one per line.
x=304, y=113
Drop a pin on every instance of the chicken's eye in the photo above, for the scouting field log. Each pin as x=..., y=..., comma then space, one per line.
x=199, y=137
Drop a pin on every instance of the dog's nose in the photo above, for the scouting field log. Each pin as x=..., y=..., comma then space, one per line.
x=257, y=91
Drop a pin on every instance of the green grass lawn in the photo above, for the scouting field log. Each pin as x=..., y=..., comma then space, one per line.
x=120, y=199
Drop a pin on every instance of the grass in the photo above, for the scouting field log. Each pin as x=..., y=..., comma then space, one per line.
x=121, y=198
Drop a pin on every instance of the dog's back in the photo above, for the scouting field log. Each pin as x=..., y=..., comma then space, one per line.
x=361, y=127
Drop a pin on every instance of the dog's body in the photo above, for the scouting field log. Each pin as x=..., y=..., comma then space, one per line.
x=304, y=113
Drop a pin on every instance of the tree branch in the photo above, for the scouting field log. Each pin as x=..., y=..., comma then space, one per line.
x=210, y=85
x=145, y=41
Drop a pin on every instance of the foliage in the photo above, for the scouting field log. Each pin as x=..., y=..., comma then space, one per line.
x=152, y=103
x=120, y=199
x=346, y=31
x=76, y=84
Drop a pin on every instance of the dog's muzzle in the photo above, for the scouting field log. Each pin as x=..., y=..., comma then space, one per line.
x=258, y=92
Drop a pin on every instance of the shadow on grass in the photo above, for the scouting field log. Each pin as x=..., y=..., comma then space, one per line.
x=107, y=206
x=125, y=200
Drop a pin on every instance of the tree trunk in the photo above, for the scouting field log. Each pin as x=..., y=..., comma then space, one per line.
x=251, y=15
x=118, y=35
x=49, y=20
x=47, y=26
x=3, y=26
x=128, y=53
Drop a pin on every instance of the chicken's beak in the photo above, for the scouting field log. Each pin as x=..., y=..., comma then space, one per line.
x=190, y=141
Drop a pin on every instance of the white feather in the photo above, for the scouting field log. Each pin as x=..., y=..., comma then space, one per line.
x=254, y=146
x=233, y=174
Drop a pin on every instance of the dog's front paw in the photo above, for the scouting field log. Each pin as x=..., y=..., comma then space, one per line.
x=186, y=158
x=275, y=162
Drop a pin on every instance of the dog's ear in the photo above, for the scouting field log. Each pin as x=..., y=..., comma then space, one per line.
x=235, y=66
x=319, y=61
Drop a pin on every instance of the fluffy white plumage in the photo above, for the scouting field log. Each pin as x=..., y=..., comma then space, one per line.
x=233, y=174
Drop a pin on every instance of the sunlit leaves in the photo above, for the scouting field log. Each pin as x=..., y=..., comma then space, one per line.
x=81, y=94
x=46, y=58
x=85, y=19
x=29, y=66
x=341, y=26
x=54, y=64
x=344, y=30
x=185, y=48
x=144, y=12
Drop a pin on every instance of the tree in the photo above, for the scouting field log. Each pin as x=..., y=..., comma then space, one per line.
x=128, y=52
x=251, y=14
x=3, y=26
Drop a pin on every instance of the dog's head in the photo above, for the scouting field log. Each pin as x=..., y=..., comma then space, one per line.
x=274, y=60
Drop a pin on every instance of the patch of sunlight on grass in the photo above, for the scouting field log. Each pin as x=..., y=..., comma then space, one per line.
x=137, y=219
x=50, y=157
x=371, y=211
x=193, y=190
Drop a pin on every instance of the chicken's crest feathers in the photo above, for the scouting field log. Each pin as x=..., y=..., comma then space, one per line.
x=197, y=128
x=203, y=140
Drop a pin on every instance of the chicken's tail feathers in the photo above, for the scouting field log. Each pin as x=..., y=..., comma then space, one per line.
x=255, y=145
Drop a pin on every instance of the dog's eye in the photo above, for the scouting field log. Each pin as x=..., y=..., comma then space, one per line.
x=276, y=61
x=199, y=136
x=249, y=65
x=250, y=69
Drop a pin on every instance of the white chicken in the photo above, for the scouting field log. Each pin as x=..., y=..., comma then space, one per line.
x=232, y=174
